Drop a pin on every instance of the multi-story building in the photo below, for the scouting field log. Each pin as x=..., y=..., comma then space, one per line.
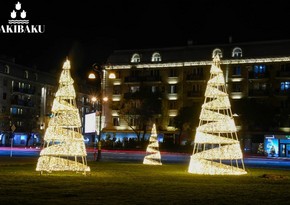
x=256, y=73
x=26, y=96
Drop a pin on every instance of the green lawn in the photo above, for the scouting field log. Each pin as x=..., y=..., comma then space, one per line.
x=135, y=183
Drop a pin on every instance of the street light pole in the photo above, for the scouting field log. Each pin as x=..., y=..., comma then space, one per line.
x=99, y=156
x=99, y=108
x=12, y=138
x=99, y=70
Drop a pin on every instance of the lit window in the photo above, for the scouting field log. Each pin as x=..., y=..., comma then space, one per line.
x=284, y=86
x=116, y=121
x=263, y=86
x=134, y=89
x=237, y=70
x=217, y=51
x=156, y=57
x=7, y=69
x=154, y=89
x=172, y=88
x=13, y=110
x=26, y=74
x=135, y=58
x=20, y=85
x=259, y=69
x=237, y=53
x=20, y=124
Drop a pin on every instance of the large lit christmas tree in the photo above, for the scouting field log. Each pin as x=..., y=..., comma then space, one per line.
x=153, y=156
x=216, y=146
x=64, y=148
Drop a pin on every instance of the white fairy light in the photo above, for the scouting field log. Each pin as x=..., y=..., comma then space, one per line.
x=153, y=156
x=216, y=149
x=64, y=148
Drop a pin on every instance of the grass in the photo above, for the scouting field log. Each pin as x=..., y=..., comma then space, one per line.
x=134, y=183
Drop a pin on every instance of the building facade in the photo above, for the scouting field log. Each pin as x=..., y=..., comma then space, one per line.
x=26, y=97
x=257, y=77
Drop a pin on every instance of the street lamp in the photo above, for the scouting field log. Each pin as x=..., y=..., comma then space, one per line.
x=100, y=100
x=99, y=107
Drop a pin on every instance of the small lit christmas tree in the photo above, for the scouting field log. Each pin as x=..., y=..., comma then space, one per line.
x=64, y=148
x=153, y=156
x=216, y=146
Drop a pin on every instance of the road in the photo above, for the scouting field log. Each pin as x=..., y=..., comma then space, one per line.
x=138, y=156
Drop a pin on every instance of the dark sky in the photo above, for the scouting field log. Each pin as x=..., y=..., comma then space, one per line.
x=88, y=30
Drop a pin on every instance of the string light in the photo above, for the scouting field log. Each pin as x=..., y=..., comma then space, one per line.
x=64, y=148
x=201, y=63
x=216, y=149
x=153, y=156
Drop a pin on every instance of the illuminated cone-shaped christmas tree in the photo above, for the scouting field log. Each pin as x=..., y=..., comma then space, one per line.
x=64, y=148
x=153, y=156
x=216, y=146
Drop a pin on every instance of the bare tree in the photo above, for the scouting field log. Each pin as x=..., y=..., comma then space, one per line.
x=139, y=109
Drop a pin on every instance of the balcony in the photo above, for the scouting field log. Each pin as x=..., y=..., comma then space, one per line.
x=172, y=80
x=116, y=97
x=172, y=96
x=172, y=112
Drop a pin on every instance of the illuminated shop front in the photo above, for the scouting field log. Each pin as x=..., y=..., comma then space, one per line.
x=119, y=137
x=277, y=145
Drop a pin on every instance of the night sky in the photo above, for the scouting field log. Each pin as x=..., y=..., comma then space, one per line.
x=89, y=30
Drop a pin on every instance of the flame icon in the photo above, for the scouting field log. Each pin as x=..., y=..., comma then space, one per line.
x=18, y=6
x=23, y=14
x=13, y=14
